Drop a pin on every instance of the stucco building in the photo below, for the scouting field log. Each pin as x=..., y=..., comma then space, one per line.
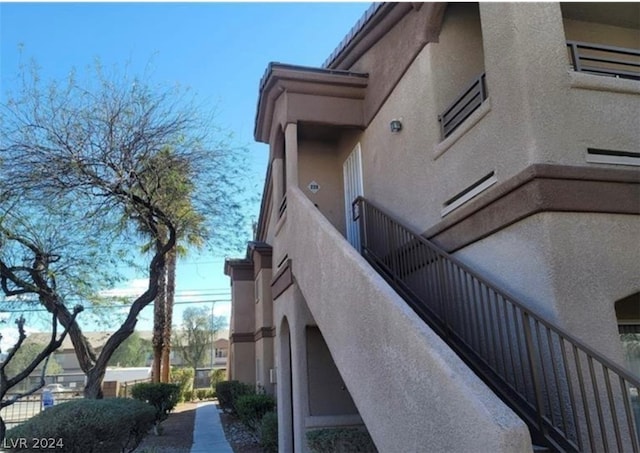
x=473, y=296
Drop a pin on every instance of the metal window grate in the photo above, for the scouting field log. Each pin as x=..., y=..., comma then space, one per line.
x=464, y=105
x=602, y=60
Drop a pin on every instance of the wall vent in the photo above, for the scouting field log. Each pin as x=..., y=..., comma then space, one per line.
x=470, y=192
x=608, y=156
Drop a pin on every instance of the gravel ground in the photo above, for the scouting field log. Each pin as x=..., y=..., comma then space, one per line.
x=240, y=439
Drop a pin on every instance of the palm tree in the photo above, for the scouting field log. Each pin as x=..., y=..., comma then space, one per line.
x=172, y=187
x=190, y=230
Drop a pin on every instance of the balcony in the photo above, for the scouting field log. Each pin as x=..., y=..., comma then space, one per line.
x=618, y=62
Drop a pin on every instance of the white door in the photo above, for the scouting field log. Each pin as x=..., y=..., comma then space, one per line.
x=352, y=172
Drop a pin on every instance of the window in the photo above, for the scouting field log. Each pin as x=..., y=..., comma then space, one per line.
x=628, y=314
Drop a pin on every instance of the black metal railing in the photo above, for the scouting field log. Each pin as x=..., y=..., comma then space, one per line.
x=464, y=105
x=604, y=60
x=25, y=408
x=124, y=388
x=571, y=397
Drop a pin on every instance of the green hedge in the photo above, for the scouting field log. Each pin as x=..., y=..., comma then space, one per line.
x=340, y=440
x=217, y=376
x=202, y=394
x=184, y=378
x=251, y=408
x=163, y=397
x=229, y=391
x=269, y=432
x=110, y=425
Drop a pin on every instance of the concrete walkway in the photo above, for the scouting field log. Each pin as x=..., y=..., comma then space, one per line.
x=208, y=436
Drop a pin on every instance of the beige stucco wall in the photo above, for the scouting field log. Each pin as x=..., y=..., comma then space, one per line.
x=610, y=35
x=571, y=267
x=242, y=363
x=298, y=395
x=243, y=313
x=263, y=304
x=292, y=391
x=264, y=363
x=277, y=191
x=430, y=397
x=458, y=57
x=536, y=112
x=241, y=353
x=320, y=162
x=327, y=392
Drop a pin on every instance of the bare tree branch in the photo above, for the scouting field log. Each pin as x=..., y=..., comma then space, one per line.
x=91, y=168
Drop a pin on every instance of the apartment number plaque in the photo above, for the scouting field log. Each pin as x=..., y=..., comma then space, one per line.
x=313, y=187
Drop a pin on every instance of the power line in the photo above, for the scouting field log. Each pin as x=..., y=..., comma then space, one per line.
x=98, y=307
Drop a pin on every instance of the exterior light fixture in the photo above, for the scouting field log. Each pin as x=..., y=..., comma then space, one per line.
x=395, y=125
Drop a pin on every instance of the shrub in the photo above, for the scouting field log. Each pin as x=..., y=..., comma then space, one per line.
x=202, y=394
x=342, y=440
x=163, y=397
x=217, y=376
x=269, y=432
x=211, y=393
x=87, y=425
x=183, y=377
x=188, y=395
x=228, y=392
x=251, y=408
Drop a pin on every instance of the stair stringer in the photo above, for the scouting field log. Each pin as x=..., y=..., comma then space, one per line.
x=412, y=391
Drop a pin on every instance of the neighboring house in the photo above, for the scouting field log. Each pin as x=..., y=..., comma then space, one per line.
x=507, y=135
x=66, y=356
x=72, y=375
x=213, y=358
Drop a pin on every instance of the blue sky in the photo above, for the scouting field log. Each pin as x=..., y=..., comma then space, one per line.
x=219, y=50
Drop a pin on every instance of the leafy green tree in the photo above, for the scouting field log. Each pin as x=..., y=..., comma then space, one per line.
x=25, y=355
x=132, y=352
x=77, y=177
x=196, y=336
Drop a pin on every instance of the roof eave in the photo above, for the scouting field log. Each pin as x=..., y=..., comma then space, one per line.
x=279, y=77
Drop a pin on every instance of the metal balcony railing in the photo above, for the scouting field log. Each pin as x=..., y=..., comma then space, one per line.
x=571, y=397
x=460, y=109
x=604, y=60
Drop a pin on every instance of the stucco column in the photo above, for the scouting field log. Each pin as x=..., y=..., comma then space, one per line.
x=299, y=385
x=291, y=153
x=292, y=313
x=284, y=389
x=526, y=66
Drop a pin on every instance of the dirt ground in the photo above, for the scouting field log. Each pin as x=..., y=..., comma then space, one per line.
x=177, y=434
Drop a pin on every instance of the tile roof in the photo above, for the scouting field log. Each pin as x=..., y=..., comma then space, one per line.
x=366, y=17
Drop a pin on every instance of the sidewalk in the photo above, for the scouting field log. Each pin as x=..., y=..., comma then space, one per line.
x=208, y=436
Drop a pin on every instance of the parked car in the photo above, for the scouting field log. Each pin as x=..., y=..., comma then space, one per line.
x=54, y=388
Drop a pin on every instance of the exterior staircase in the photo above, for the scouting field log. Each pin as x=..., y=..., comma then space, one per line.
x=507, y=360
x=571, y=397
